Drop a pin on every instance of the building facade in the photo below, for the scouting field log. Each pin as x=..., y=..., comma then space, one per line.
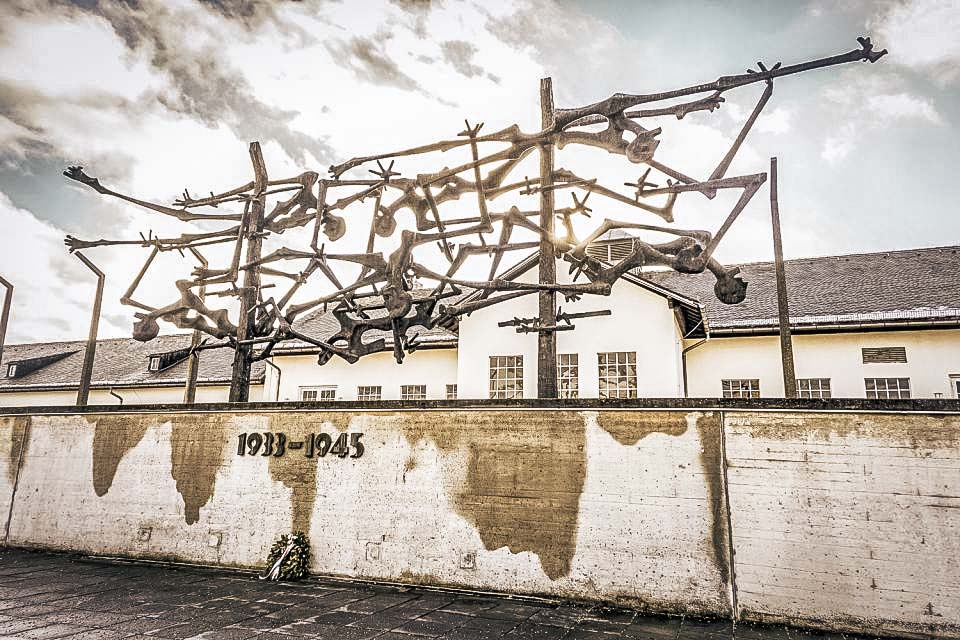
x=880, y=325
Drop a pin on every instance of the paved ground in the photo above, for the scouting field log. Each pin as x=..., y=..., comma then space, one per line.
x=45, y=596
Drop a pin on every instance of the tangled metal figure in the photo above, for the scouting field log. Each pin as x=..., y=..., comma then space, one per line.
x=308, y=199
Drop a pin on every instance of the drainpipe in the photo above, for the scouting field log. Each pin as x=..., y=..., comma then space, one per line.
x=683, y=354
x=5, y=313
x=116, y=395
x=276, y=396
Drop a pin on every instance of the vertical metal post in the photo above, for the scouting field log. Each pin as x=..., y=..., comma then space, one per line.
x=240, y=379
x=86, y=372
x=5, y=314
x=547, y=340
x=786, y=342
x=193, y=363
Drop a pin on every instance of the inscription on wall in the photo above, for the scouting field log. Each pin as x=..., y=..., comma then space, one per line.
x=317, y=445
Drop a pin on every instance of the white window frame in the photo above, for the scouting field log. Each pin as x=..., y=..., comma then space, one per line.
x=740, y=388
x=506, y=377
x=11, y=371
x=617, y=374
x=451, y=391
x=323, y=393
x=887, y=389
x=955, y=384
x=413, y=392
x=814, y=388
x=568, y=371
x=154, y=364
x=369, y=392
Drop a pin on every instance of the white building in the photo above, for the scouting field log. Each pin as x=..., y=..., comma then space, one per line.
x=880, y=325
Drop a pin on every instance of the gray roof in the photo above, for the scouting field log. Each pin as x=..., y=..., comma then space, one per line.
x=120, y=362
x=895, y=289
x=322, y=324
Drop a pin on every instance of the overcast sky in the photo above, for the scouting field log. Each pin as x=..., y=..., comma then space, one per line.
x=166, y=94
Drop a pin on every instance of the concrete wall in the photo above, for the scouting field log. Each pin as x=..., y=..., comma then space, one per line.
x=641, y=322
x=841, y=519
x=435, y=368
x=139, y=395
x=932, y=357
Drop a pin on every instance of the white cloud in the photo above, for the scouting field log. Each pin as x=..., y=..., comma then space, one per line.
x=923, y=34
x=865, y=104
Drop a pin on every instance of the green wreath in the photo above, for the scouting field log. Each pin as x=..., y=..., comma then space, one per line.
x=297, y=563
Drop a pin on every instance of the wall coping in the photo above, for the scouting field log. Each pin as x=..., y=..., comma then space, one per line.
x=940, y=406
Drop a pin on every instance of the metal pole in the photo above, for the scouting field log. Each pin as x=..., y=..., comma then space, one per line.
x=5, y=314
x=786, y=343
x=86, y=373
x=547, y=340
x=240, y=379
x=193, y=362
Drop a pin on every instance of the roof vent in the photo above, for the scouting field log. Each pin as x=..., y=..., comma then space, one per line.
x=161, y=361
x=26, y=366
x=884, y=355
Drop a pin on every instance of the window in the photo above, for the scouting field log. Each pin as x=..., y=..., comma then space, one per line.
x=11, y=371
x=413, y=392
x=618, y=374
x=451, y=392
x=887, y=387
x=368, y=393
x=568, y=375
x=506, y=377
x=741, y=388
x=881, y=355
x=154, y=363
x=318, y=393
x=955, y=385
x=813, y=387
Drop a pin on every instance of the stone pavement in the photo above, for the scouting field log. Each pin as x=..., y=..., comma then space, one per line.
x=45, y=596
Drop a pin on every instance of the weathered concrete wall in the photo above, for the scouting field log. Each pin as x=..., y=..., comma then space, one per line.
x=842, y=519
x=853, y=516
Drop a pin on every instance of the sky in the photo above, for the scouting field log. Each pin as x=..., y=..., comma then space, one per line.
x=154, y=96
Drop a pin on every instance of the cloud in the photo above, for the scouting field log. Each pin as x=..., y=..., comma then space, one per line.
x=367, y=57
x=53, y=291
x=922, y=34
x=869, y=104
x=459, y=54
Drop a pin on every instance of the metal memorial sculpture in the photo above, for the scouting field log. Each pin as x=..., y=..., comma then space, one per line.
x=324, y=205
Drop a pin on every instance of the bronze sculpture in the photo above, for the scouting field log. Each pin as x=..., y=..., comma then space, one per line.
x=308, y=199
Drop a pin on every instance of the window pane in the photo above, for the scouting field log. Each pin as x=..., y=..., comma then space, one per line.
x=617, y=373
x=506, y=377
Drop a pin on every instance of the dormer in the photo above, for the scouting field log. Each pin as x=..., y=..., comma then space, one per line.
x=160, y=361
x=26, y=366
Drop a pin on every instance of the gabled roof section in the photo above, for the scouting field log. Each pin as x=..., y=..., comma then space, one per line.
x=119, y=363
x=689, y=311
x=26, y=366
x=912, y=288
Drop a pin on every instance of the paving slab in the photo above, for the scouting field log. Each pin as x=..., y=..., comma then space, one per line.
x=48, y=596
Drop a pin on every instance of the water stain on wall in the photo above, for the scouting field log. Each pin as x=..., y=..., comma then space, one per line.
x=523, y=484
x=19, y=427
x=630, y=427
x=919, y=432
x=298, y=472
x=196, y=456
x=113, y=437
x=711, y=459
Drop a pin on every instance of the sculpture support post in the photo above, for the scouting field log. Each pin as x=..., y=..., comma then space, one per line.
x=86, y=372
x=193, y=362
x=786, y=342
x=240, y=380
x=5, y=313
x=547, y=340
